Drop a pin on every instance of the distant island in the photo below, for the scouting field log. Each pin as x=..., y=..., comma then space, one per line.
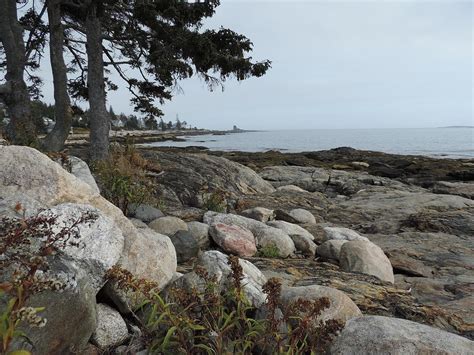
x=457, y=127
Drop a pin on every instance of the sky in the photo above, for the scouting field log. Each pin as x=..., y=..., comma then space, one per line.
x=351, y=64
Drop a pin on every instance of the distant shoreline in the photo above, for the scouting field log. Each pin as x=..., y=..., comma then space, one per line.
x=456, y=127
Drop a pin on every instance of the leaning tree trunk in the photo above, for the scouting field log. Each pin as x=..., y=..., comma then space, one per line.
x=99, y=117
x=21, y=129
x=54, y=141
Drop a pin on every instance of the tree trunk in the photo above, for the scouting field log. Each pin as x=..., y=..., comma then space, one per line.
x=54, y=141
x=99, y=117
x=21, y=129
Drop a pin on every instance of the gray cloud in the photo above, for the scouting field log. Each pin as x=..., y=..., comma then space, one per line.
x=340, y=65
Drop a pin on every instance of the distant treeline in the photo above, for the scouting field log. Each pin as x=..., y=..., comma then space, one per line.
x=44, y=119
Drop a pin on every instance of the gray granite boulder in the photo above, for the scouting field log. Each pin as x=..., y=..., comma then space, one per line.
x=216, y=264
x=200, y=232
x=100, y=242
x=144, y=212
x=383, y=335
x=266, y=236
x=367, y=258
x=301, y=237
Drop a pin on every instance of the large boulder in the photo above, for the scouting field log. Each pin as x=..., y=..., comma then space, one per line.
x=301, y=237
x=70, y=313
x=234, y=239
x=291, y=229
x=302, y=216
x=185, y=245
x=332, y=182
x=266, y=236
x=148, y=255
x=111, y=328
x=200, y=232
x=216, y=264
x=168, y=225
x=187, y=174
x=31, y=178
x=100, y=241
x=384, y=335
x=367, y=258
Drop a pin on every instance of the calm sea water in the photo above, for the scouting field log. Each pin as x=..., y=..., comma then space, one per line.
x=439, y=142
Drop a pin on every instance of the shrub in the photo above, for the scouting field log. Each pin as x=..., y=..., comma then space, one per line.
x=214, y=199
x=269, y=251
x=207, y=321
x=122, y=177
x=25, y=246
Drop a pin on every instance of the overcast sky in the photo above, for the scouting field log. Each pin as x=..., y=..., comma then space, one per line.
x=353, y=64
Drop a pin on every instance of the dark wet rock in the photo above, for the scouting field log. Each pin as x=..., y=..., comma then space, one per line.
x=187, y=176
x=185, y=245
x=330, y=249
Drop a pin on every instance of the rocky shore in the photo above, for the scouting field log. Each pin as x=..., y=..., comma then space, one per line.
x=388, y=239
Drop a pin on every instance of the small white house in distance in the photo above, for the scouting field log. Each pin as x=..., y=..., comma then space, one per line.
x=48, y=123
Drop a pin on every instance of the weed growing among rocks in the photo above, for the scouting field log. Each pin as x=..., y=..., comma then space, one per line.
x=209, y=321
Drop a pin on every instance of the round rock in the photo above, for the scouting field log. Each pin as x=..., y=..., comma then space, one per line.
x=341, y=308
x=145, y=213
x=185, y=244
x=234, y=239
x=367, y=258
x=111, y=328
x=200, y=232
x=168, y=225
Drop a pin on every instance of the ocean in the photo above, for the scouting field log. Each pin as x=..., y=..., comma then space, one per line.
x=435, y=142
